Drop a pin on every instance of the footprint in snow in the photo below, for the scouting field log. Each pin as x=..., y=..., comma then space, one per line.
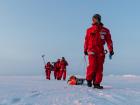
x=35, y=94
x=15, y=100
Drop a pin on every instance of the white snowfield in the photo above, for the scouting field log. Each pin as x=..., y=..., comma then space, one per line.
x=26, y=90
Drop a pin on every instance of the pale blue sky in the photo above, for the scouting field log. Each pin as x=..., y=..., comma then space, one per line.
x=30, y=28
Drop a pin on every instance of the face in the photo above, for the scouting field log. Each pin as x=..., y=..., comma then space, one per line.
x=94, y=20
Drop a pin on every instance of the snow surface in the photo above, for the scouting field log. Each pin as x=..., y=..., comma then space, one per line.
x=35, y=90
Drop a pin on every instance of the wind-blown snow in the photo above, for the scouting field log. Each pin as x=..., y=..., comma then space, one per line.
x=119, y=90
x=130, y=76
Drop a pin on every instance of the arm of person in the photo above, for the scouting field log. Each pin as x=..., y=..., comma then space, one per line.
x=67, y=63
x=109, y=41
x=86, y=43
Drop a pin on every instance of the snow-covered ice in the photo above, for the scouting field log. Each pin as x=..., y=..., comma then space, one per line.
x=35, y=90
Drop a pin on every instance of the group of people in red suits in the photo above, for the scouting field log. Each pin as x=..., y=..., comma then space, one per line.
x=59, y=69
x=96, y=37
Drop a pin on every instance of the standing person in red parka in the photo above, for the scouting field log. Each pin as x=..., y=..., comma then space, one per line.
x=96, y=37
x=63, y=72
x=56, y=69
x=48, y=68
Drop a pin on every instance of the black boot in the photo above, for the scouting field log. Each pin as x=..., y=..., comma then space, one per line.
x=89, y=83
x=98, y=86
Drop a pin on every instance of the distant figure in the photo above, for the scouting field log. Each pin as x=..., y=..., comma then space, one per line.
x=48, y=68
x=63, y=65
x=96, y=37
x=56, y=68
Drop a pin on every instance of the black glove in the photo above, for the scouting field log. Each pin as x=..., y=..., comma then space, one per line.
x=85, y=52
x=111, y=54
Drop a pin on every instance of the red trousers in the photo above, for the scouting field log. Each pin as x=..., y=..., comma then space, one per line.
x=48, y=73
x=62, y=73
x=95, y=68
x=56, y=73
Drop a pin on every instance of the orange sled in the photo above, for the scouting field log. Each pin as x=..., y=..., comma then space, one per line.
x=73, y=80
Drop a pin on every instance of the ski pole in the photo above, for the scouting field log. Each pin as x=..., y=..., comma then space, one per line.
x=43, y=59
x=85, y=60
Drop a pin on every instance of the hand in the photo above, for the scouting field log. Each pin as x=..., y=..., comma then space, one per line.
x=111, y=54
x=85, y=52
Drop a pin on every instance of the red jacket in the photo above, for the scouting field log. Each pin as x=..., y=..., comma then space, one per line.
x=63, y=64
x=48, y=66
x=96, y=37
x=57, y=66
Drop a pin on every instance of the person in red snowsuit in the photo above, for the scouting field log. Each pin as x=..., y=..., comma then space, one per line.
x=63, y=72
x=48, y=68
x=56, y=69
x=96, y=37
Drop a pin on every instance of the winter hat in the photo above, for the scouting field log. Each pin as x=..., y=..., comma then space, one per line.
x=97, y=16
